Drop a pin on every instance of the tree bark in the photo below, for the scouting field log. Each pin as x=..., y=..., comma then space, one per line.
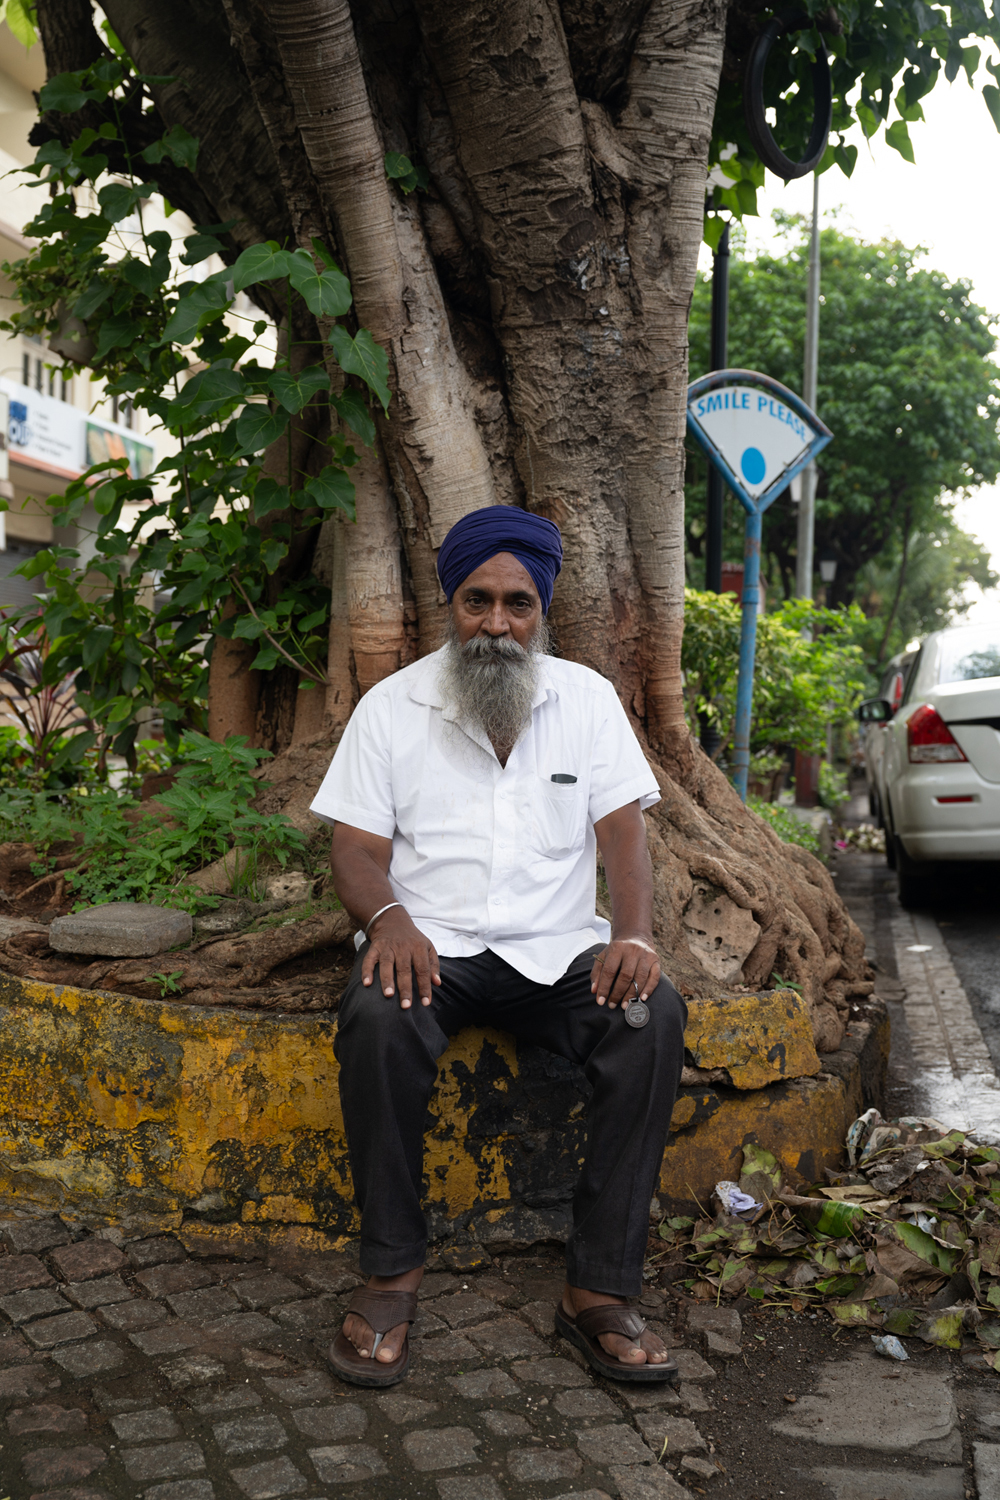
x=533, y=302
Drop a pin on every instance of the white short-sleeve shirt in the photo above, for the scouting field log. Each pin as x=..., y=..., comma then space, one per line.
x=484, y=855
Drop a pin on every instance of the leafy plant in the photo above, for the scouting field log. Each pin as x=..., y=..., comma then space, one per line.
x=216, y=530
x=786, y=825
x=885, y=59
x=43, y=702
x=833, y=792
x=809, y=670
x=168, y=983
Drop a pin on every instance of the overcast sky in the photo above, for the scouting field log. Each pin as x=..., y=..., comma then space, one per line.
x=948, y=201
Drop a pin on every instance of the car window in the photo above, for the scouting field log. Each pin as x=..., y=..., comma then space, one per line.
x=914, y=673
x=969, y=654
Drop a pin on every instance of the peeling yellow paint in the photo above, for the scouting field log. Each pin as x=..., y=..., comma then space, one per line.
x=758, y=1039
x=141, y=1110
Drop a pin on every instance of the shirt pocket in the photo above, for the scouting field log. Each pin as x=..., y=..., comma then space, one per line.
x=556, y=818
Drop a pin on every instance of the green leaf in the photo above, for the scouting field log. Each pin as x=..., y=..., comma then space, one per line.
x=294, y=392
x=95, y=296
x=397, y=165
x=178, y=144
x=258, y=427
x=919, y=1243
x=145, y=277
x=991, y=98
x=847, y=157
x=217, y=384
x=712, y=233
x=272, y=553
x=362, y=356
x=943, y=1329
x=118, y=201
x=117, y=332
x=64, y=93
x=95, y=643
x=199, y=247
x=260, y=263
x=246, y=628
x=197, y=302
x=269, y=496
x=403, y=172
x=350, y=405
x=897, y=136
x=20, y=22
x=868, y=120
x=332, y=490
x=325, y=293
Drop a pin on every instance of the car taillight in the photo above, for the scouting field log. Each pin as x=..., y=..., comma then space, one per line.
x=896, y=691
x=929, y=738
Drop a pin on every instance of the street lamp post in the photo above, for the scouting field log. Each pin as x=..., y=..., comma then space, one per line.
x=807, y=505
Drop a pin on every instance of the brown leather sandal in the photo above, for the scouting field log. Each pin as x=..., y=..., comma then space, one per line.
x=612, y=1317
x=382, y=1311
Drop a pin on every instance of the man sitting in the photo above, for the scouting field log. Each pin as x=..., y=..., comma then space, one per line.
x=469, y=797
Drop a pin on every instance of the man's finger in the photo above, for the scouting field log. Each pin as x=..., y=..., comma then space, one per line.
x=368, y=964
x=422, y=969
x=595, y=973
x=404, y=977
x=622, y=989
x=651, y=981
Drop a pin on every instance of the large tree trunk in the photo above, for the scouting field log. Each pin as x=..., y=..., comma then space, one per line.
x=533, y=303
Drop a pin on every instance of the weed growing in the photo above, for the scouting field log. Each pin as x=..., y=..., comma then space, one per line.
x=126, y=854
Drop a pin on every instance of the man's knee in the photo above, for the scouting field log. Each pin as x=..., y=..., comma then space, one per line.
x=667, y=1019
x=368, y=1019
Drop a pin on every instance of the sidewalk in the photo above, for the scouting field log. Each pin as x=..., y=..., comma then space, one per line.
x=145, y=1370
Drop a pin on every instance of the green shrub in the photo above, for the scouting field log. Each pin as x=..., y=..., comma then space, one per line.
x=787, y=826
x=128, y=854
x=809, y=670
x=833, y=792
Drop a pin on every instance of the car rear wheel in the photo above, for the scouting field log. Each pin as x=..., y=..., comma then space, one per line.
x=913, y=879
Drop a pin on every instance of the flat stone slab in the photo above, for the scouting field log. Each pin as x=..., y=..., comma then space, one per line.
x=987, y=1460
x=853, y=1406
x=11, y=926
x=893, y=1484
x=121, y=929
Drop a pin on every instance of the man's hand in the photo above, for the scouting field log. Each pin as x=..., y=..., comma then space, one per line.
x=621, y=838
x=402, y=953
x=623, y=963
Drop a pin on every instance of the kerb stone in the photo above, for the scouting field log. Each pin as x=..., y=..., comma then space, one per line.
x=121, y=929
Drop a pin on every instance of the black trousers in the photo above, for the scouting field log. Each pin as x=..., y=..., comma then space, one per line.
x=388, y=1066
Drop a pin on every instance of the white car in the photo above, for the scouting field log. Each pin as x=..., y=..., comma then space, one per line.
x=873, y=733
x=939, y=762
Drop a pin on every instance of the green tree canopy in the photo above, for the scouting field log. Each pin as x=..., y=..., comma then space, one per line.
x=907, y=385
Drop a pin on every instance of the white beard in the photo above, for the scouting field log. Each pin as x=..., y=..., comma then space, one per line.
x=491, y=683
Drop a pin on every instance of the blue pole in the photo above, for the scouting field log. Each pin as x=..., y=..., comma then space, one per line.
x=748, y=645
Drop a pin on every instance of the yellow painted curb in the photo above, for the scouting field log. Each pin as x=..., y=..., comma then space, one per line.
x=150, y=1114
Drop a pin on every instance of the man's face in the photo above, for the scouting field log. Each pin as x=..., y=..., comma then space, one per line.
x=498, y=599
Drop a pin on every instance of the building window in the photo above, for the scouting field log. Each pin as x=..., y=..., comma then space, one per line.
x=38, y=376
x=66, y=389
x=121, y=411
x=25, y=369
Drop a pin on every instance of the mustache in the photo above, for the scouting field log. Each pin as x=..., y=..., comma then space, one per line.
x=494, y=648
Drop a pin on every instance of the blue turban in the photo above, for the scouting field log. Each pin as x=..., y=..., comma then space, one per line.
x=535, y=542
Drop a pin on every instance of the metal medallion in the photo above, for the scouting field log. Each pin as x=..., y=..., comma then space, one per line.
x=637, y=1014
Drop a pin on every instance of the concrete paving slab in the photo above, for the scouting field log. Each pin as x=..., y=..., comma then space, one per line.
x=890, y=1484
x=121, y=929
x=853, y=1408
x=986, y=1457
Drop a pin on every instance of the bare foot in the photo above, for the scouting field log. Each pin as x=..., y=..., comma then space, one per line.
x=362, y=1336
x=647, y=1349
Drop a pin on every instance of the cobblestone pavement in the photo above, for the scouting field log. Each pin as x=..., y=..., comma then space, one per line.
x=131, y=1370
